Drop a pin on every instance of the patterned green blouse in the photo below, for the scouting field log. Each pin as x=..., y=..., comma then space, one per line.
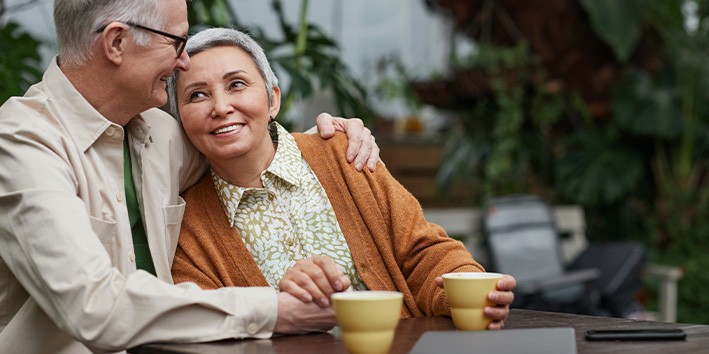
x=287, y=220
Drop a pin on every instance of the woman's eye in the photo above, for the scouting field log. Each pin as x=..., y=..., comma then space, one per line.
x=197, y=95
x=237, y=84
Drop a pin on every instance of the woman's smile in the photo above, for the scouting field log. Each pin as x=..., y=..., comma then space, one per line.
x=228, y=128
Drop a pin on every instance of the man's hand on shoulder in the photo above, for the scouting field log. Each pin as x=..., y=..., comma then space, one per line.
x=361, y=147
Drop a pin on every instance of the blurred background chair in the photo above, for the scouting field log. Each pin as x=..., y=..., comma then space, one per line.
x=465, y=224
x=522, y=240
x=621, y=265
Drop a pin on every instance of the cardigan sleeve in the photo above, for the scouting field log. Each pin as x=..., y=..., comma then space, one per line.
x=423, y=250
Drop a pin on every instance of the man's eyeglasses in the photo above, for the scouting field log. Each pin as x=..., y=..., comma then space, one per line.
x=179, y=42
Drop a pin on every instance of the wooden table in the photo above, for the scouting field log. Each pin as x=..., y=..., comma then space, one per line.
x=409, y=331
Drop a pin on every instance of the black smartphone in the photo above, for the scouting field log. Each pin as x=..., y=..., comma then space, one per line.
x=636, y=334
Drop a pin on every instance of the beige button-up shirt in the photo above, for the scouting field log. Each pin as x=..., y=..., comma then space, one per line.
x=68, y=280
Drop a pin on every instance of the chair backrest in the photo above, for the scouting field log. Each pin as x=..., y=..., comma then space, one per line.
x=522, y=238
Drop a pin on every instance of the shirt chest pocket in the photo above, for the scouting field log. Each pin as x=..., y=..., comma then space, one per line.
x=107, y=232
x=172, y=216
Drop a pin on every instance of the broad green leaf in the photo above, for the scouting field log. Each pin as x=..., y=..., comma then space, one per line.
x=598, y=171
x=19, y=61
x=617, y=22
x=648, y=106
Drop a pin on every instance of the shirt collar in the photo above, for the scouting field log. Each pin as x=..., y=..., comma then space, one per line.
x=83, y=122
x=140, y=129
x=286, y=164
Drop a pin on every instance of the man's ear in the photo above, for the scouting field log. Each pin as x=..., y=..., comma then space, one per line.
x=114, y=41
x=275, y=101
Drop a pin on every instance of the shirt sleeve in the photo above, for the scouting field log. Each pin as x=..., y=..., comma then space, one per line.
x=55, y=249
x=312, y=130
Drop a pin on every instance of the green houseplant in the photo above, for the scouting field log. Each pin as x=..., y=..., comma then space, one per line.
x=20, y=61
x=641, y=168
x=661, y=120
x=505, y=143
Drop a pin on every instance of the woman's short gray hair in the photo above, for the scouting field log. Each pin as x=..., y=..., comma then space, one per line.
x=226, y=37
x=76, y=23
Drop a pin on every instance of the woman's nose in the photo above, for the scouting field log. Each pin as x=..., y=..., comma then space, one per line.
x=222, y=105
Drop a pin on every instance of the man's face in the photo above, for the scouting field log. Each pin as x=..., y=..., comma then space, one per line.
x=151, y=66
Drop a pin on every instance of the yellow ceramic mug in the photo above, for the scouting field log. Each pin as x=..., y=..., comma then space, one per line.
x=467, y=297
x=368, y=319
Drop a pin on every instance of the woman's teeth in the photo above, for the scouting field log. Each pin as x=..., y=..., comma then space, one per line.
x=226, y=129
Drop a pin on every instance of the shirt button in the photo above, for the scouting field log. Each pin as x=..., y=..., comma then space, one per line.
x=119, y=197
x=271, y=196
x=132, y=257
x=252, y=328
x=110, y=131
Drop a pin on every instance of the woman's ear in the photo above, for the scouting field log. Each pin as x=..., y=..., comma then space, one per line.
x=114, y=41
x=275, y=101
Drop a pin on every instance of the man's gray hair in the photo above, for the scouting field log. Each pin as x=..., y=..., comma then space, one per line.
x=226, y=37
x=76, y=23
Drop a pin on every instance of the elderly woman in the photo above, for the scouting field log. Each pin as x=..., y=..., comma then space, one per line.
x=286, y=210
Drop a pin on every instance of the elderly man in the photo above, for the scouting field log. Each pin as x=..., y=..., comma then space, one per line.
x=89, y=203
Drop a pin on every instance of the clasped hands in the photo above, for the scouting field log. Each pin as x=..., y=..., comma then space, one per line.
x=304, y=300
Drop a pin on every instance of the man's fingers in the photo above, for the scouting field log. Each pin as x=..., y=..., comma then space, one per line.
x=326, y=125
x=365, y=149
x=354, y=127
x=295, y=316
x=373, y=156
x=362, y=148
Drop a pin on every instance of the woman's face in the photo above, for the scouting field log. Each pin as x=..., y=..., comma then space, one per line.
x=224, y=106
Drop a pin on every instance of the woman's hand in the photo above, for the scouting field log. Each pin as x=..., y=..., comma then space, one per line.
x=501, y=298
x=314, y=279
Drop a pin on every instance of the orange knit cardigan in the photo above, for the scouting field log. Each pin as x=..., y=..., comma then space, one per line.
x=392, y=245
